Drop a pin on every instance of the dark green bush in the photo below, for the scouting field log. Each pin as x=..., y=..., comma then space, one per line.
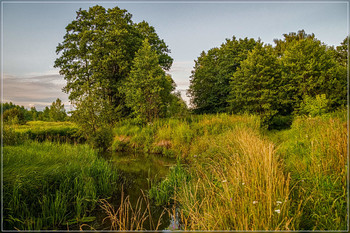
x=280, y=122
x=102, y=138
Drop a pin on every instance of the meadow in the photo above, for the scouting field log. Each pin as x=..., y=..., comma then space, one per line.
x=230, y=174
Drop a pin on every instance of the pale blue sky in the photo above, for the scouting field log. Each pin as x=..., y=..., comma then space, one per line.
x=32, y=30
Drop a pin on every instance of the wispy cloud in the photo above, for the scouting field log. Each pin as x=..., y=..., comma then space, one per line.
x=38, y=91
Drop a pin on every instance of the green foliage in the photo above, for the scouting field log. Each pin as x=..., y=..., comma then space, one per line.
x=147, y=89
x=280, y=122
x=102, y=138
x=314, y=152
x=48, y=131
x=14, y=116
x=254, y=86
x=163, y=193
x=315, y=106
x=49, y=185
x=213, y=70
x=177, y=106
x=98, y=51
x=57, y=111
x=307, y=70
x=245, y=76
x=11, y=137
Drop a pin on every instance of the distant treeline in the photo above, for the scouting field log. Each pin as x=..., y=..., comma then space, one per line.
x=299, y=75
x=15, y=114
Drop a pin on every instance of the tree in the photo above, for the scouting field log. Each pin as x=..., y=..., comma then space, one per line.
x=310, y=69
x=34, y=113
x=57, y=111
x=292, y=37
x=45, y=114
x=14, y=116
x=343, y=52
x=98, y=50
x=210, y=78
x=177, y=106
x=147, y=89
x=254, y=86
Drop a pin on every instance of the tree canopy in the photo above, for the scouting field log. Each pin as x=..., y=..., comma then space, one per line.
x=147, y=89
x=209, y=82
x=299, y=75
x=98, y=52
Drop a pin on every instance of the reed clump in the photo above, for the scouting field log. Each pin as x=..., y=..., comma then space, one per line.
x=128, y=217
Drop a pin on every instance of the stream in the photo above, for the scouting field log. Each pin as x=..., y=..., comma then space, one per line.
x=138, y=171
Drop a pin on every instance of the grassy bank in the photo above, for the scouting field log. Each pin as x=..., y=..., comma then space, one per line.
x=174, y=137
x=52, y=186
x=42, y=131
x=243, y=178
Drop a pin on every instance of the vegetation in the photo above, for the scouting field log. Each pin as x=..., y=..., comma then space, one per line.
x=263, y=148
x=15, y=114
x=96, y=63
x=147, y=89
x=245, y=178
x=270, y=81
x=52, y=186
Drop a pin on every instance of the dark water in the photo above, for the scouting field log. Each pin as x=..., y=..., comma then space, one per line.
x=138, y=171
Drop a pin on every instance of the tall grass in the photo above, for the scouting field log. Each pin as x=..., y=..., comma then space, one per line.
x=315, y=154
x=244, y=178
x=173, y=137
x=238, y=183
x=42, y=131
x=129, y=217
x=50, y=185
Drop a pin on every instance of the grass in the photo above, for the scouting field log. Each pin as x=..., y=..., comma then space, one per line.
x=315, y=154
x=246, y=178
x=50, y=186
x=234, y=176
x=43, y=131
x=129, y=217
x=173, y=137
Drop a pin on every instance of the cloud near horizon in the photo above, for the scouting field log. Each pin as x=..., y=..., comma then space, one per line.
x=38, y=91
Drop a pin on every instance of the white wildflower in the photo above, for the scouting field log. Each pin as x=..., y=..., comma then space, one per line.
x=278, y=211
x=278, y=202
x=255, y=202
x=224, y=181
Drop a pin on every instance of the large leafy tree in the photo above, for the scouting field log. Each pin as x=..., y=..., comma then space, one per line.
x=98, y=51
x=210, y=78
x=148, y=88
x=310, y=69
x=255, y=85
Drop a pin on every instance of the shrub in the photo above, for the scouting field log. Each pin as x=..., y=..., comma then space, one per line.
x=315, y=106
x=102, y=138
x=14, y=116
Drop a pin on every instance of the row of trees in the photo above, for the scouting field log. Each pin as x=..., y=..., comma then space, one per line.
x=115, y=68
x=248, y=76
x=15, y=114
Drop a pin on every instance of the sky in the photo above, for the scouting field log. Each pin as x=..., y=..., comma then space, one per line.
x=31, y=30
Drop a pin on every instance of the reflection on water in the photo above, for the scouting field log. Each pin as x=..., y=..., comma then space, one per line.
x=138, y=171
